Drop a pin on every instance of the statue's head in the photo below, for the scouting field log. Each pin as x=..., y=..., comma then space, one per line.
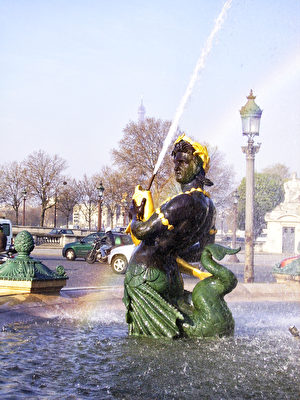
x=190, y=159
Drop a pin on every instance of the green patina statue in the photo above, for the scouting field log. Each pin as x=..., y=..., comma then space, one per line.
x=25, y=268
x=183, y=228
x=288, y=270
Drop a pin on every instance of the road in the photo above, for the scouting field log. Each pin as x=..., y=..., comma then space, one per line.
x=82, y=274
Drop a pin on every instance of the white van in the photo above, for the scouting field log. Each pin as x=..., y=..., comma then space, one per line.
x=7, y=230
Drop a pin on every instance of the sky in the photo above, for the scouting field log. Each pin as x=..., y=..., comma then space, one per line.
x=72, y=75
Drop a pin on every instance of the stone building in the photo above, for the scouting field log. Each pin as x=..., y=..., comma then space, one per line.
x=80, y=218
x=283, y=223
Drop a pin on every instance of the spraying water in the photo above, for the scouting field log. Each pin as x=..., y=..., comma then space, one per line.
x=199, y=67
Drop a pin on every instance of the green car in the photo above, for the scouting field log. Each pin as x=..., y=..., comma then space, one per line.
x=81, y=248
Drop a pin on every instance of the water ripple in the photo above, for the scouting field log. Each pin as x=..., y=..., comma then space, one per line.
x=65, y=358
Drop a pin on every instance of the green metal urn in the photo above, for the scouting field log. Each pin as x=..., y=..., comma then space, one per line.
x=24, y=274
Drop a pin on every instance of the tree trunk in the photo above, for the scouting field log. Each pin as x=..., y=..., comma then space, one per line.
x=42, y=217
x=17, y=215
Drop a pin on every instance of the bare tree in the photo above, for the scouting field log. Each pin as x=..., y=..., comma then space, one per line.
x=278, y=169
x=87, y=197
x=222, y=175
x=117, y=189
x=12, y=184
x=43, y=175
x=139, y=150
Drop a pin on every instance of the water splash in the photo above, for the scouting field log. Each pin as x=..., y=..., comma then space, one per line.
x=198, y=68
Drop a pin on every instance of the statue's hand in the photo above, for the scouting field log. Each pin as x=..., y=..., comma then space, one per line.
x=135, y=211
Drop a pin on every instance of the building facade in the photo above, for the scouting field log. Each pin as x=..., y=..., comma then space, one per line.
x=81, y=218
x=283, y=223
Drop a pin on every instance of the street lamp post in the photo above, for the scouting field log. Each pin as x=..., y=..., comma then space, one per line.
x=222, y=216
x=55, y=204
x=125, y=205
x=100, y=189
x=250, y=114
x=55, y=210
x=233, y=257
x=24, y=193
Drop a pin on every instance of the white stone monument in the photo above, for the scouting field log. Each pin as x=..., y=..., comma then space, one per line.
x=283, y=223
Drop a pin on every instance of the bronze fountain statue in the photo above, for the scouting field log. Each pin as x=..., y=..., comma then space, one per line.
x=182, y=229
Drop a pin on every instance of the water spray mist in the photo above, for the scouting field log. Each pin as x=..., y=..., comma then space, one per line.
x=195, y=75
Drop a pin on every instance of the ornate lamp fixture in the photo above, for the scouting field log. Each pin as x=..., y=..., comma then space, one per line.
x=100, y=189
x=251, y=115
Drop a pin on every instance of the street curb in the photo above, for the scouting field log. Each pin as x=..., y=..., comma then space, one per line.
x=57, y=251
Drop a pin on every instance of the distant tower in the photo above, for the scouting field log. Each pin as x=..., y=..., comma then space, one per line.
x=141, y=112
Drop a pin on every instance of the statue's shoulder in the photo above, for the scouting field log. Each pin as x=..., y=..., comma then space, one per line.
x=184, y=203
x=180, y=200
x=186, y=197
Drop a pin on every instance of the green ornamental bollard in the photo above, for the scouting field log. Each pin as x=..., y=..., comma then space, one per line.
x=25, y=268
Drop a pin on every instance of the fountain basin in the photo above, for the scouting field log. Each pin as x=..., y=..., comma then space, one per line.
x=23, y=307
x=8, y=287
x=76, y=346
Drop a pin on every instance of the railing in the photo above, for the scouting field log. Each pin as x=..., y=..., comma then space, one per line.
x=52, y=240
x=41, y=236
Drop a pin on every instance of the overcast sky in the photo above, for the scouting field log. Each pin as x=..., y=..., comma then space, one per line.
x=72, y=74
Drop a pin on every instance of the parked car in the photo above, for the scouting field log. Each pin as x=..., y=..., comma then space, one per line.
x=80, y=248
x=7, y=230
x=120, y=229
x=57, y=231
x=119, y=258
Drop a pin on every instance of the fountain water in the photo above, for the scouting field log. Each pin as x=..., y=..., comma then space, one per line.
x=79, y=357
x=84, y=354
x=198, y=68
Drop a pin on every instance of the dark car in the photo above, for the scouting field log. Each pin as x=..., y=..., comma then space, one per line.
x=57, y=231
x=81, y=248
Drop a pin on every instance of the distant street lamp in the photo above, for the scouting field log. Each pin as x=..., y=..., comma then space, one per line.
x=55, y=201
x=125, y=205
x=55, y=204
x=100, y=189
x=222, y=216
x=233, y=258
x=251, y=115
x=24, y=193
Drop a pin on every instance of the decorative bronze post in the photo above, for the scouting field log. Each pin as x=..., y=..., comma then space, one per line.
x=24, y=193
x=250, y=114
x=222, y=216
x=233, y=257
x=55, y=201
x=125, y=205
x=100, y=189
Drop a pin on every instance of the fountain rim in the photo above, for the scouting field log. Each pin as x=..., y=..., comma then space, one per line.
x=13, y=308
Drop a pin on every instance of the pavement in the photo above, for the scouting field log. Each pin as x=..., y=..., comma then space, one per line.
x=107, y=293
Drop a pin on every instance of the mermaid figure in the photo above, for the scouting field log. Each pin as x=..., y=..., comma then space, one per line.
x=180, y=231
